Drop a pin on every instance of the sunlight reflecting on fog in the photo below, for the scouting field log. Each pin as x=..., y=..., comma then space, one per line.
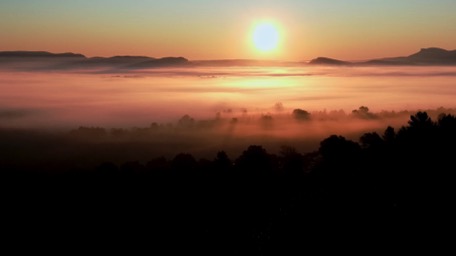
x=138, y=98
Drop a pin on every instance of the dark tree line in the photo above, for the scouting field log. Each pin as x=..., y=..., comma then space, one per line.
x=394, y=184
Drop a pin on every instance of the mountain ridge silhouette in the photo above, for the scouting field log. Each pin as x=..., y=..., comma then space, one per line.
x=426, y=56
x=68, y=60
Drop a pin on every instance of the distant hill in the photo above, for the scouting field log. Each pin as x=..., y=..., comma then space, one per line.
x=129, y=62
x=328, y=61
x=102, y=62
x=41, y=60
x=162, y=62
x=118, y=60
x=426, y=56
x=38, y=54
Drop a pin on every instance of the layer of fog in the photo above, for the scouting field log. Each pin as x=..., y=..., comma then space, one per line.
x=233, y=131
x=231, y=107
x=57, y=99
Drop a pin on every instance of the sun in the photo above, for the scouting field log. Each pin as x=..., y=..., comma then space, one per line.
x=266, y=37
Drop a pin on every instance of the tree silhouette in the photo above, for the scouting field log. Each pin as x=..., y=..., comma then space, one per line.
x=389, y=135
x=340, y=164
x=363, y=112
x=338, y=149
x=420, y=135
x=292, y=162
x=254, y=161
x=371, y=140
x=222, y=162
x=183, y=164
x=301, y=115
x=186, y=121
x=420, y=120
x=447, y=125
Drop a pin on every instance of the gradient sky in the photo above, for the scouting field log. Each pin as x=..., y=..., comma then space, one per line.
x=207, y=29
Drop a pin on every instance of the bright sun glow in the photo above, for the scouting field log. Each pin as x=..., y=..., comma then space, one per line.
x=266, y=37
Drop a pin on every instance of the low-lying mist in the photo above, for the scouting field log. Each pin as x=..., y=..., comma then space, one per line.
x=85, y=117
x=85, y=147
x=66, y=100
x=233, y=131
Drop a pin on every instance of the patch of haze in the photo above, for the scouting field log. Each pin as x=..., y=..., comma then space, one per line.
x=233, y=131
x=137, y=98
x=201, y=110
x=295, y=70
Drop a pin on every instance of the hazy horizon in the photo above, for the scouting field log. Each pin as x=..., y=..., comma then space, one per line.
x=234, y=58
x=233, y=98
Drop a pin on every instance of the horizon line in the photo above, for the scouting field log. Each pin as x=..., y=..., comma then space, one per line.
x=217, y=59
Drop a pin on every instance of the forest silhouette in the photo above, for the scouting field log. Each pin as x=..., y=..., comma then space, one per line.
x=257, y=203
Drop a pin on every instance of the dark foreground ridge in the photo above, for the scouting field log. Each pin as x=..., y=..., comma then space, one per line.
x=377, y=191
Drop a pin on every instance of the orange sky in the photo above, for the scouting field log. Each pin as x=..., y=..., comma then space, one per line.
x=203, y=29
